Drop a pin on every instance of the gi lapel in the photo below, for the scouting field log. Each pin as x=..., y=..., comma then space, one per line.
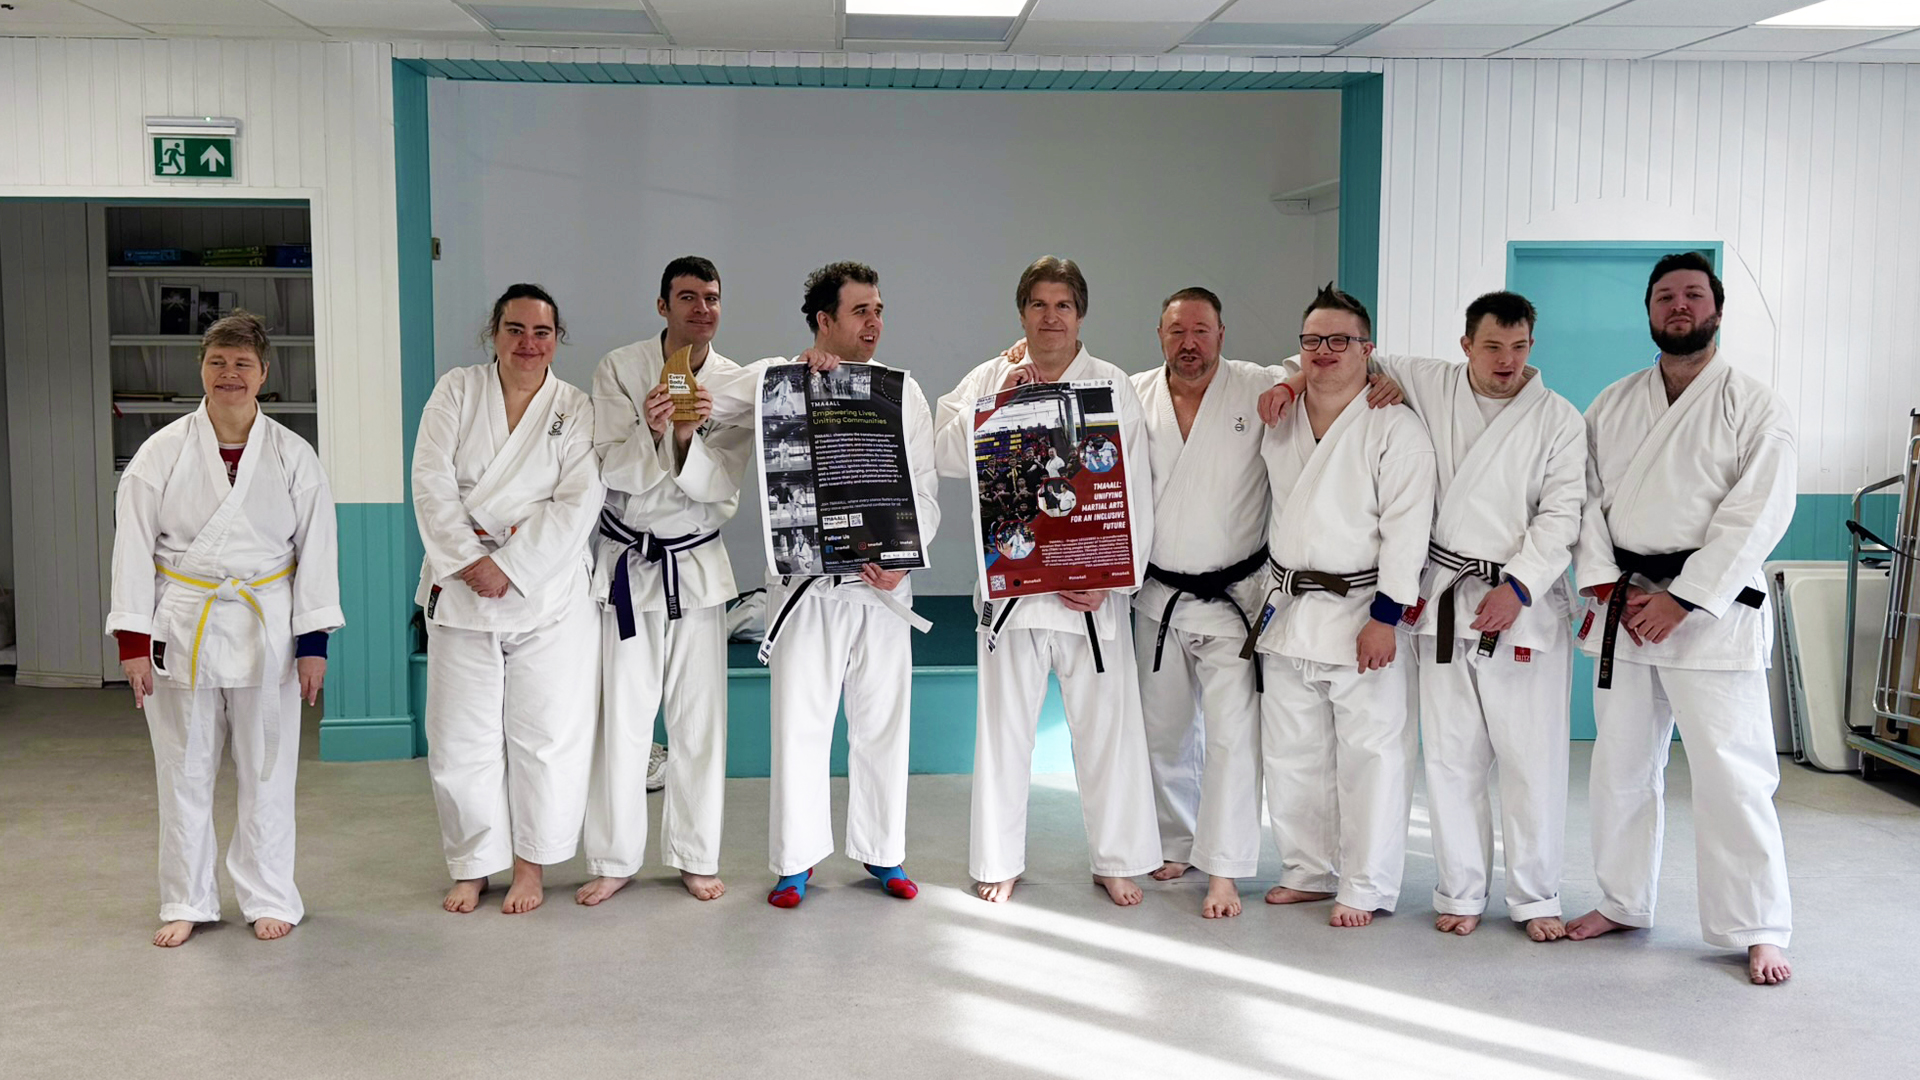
x=1316, y=457
x=1705, y=387
x=1483, y=459
x=203, y=556
x=527, y=437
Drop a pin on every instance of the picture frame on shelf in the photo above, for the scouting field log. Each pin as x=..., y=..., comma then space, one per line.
x=179, y=309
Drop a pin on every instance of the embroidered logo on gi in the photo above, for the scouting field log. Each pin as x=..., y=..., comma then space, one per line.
x=558, y=419
x=1586, y=626
x=433, y=601
x=159, y=655
x=1239, y=423
x=1522, y=655
x=1412, y=614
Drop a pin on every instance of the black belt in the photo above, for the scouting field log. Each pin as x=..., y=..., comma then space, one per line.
x=1658, y=569
x=993, y=619
x=1210, y=587
x=1463, y=568
x=1296, y=582
x=779, y=619
x=664, y=550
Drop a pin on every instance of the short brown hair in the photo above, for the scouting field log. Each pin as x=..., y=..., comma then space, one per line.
x=1332, y=299
x=1195, y=293
x=240, y=329
x=1057, y=270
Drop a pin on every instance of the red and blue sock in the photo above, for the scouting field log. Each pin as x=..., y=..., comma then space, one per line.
x=894, y=879
x=790, y=890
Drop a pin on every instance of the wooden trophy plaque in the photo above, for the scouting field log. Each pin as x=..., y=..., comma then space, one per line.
x=677, y=377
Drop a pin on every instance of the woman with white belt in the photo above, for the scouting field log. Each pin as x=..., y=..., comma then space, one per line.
x=225, y=586
x=506, y=489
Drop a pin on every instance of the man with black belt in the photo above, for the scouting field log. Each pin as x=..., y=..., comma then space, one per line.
x=663, y=580
x=1199, y=696
x=1690, y=484
x=1495, y=654
x=1353, y=492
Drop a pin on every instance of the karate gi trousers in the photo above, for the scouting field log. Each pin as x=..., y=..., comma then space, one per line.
x=1338, y=749
x=189, y=730
x=510, y=721
x=1109, y=750
x=827, y=647
x=684, y=661
x=1476, y=713
x=1203, y=748
x=1727, y=725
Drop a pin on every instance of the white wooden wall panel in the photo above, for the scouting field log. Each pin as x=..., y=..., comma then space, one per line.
x=1805, y=172
x=317, y=123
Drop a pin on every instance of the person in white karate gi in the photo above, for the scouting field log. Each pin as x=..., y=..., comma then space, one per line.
x=1084, y=637
x=507, y=490
x=834, y=640
x=225, y=586
x=663, y=580
x=1353, y=492
x=1689, y=487
x=1495, y=653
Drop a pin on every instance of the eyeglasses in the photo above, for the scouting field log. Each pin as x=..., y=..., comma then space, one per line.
x=1334, y=342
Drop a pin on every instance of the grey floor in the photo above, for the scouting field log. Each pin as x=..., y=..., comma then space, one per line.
x=380, y=982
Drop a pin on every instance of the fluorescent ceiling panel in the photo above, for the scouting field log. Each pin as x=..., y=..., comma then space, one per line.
x=1883, y=14
x=937, y=8
x=563, y=20
x=929, y=27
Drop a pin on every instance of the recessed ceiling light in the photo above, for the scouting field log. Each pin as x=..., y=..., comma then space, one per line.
x=1000, y=8
x=1876, y=14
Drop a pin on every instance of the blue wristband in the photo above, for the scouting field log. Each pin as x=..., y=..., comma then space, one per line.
x=1519, y=590
x=1385, y=610
x=311, y=643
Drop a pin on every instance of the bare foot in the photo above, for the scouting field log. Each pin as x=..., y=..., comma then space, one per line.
x=1171, y=871
x=1457, y=924
x=270, y=929
x=1120, y=890
x=465, y=895
x=995, y=892
x=1346, y=916
x=1280, y=894
x=1546, y=928
x=1223, y=899
x=528, y=890
x=599, y=889
x=703, y=886
x=1767, y=965
x=173, y=933
x=1592, y=925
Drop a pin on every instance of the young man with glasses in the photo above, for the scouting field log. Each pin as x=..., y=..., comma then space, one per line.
x=1353, y=492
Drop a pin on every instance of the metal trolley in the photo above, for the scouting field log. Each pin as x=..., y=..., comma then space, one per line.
x=1894, y=736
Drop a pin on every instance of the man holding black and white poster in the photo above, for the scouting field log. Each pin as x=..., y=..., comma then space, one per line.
x=1080, y=634
x=849, y=632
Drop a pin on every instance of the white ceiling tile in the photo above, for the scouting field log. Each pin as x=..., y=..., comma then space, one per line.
x=1117, y=11
x=1872, y=56
x=1899, y=42
x=1259, y=50
x=1529, y=52
x=707, y=28
x=573, y=40
x=734, y=9
x=232, y=30
x=1723, y=13
x=1645, y=39
x=1409, y=53
x=1793, y=39
x=1401, y=36
x=1735, y=54
x=1318, y=11
x=409, y=16
x=233, y=14
x=1496, y=12
x=1057, y=36
x=57, y=17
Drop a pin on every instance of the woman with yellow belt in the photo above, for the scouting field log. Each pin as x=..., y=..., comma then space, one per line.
x=225, y=586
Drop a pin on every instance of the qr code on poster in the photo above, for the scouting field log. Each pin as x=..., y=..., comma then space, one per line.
x=997, y=582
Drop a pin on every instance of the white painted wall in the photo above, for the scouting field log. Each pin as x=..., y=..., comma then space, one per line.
x=317, y=124
x=1805, y=171
x=591, y=189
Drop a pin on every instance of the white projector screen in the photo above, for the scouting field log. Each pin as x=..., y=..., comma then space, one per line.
x=589, y=190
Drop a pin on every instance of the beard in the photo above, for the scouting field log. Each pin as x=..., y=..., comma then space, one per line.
x=1690, y=342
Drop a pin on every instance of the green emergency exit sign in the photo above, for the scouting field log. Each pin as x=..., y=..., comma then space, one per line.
x=189, y=158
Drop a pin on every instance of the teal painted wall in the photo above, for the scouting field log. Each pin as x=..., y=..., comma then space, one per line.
x=368, y=714
x=1362, y=124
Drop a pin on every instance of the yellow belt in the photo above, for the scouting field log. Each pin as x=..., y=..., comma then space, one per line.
x=234, y=589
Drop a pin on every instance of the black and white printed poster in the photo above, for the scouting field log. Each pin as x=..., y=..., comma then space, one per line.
x=835, y=479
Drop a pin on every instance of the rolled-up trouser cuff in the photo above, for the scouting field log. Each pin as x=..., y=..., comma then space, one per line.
x=1447, y=905
x=1747, y=939
x=1535, y=909
x=1613, y=911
